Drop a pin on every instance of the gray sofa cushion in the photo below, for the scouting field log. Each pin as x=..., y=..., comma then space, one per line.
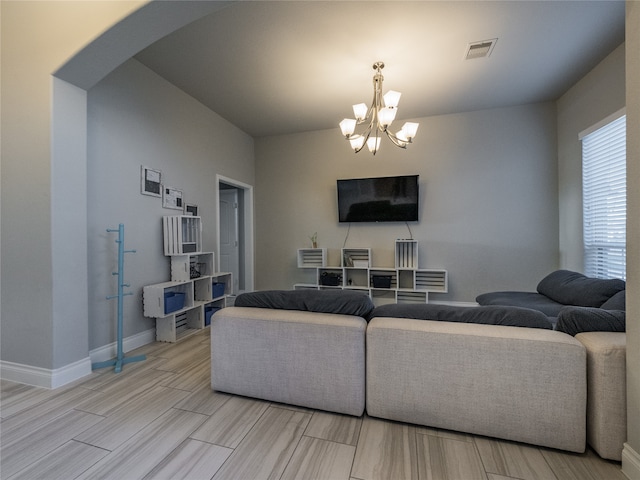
x=490, y=315
x=617, y=302
x=313, y=360
x=574, y=320
x=573, y=288
x=521, y=384
x=535, y=301
x=342, y=302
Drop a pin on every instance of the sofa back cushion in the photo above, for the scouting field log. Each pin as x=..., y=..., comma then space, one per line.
x=490, y=315
x=574, y=320
x=617, y=302
x=342, y=302
x=573, y=288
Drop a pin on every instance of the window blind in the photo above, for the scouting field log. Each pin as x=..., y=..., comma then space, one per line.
x=604, y=190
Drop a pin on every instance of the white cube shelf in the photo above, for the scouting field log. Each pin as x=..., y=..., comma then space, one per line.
x=194, y=276
x=153, y=297
x=407, y=254
x=312, y=257
x=225, y=278
x=405, y=283
x=190, y=266
x=356, y=257
x=182, y=234
x=432, y=280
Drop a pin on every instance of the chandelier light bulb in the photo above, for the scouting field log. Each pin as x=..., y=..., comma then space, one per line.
x=392, y=98
x=360, y=111
x=348, y=126
x=373, y=143
x=410, y=129
x=357, y=142
x=386, y=116
x=402, y=138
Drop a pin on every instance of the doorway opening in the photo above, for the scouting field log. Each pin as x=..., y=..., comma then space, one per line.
x=235, y=232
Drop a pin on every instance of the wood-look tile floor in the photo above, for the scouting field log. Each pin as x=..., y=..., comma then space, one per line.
x=159, y=419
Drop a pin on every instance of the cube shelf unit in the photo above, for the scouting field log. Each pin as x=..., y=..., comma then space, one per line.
x=182, y=234
x=193, y=278
x=405, y=283
x=312, y=257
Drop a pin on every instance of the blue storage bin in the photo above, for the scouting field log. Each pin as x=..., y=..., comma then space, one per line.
x=208, y=313
x=173, y=301
x=218, y=289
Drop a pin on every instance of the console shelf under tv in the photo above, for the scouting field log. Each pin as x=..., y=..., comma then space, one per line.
x=403, y=283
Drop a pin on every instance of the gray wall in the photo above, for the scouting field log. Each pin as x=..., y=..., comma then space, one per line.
x=488, y=212
x=631, y=455
x=593, y=98
x=38, y=37
x=136, y=118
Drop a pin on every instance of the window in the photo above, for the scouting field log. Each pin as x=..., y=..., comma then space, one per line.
x=604, y=193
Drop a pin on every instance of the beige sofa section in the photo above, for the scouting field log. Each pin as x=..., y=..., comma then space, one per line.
x=606, y=392
x=522, y=384
x=314, y=360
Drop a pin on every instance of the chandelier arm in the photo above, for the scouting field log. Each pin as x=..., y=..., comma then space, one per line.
x=396, y=141
x=366, y=134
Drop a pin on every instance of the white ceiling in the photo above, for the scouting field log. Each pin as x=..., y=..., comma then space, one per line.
x=283, y=67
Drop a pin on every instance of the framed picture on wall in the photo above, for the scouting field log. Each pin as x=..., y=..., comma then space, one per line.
x=172, y=198
x=190, y=209
x=150, y=181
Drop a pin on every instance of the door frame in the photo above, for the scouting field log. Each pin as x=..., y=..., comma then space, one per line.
x=247, y=230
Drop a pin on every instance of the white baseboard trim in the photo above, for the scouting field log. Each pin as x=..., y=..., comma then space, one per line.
x=630, y=462
x=107, y=352
x=44, y=377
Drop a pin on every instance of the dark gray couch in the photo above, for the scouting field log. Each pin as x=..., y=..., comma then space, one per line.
x=573, y=302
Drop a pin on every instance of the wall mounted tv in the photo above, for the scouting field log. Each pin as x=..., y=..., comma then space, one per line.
x=383, y=199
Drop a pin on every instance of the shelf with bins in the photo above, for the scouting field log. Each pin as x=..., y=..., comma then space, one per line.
x=405, y=283
x=185, y=304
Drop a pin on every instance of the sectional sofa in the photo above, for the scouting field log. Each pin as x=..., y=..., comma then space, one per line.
x=573, y=302
x=593, y=310
x=331, y=350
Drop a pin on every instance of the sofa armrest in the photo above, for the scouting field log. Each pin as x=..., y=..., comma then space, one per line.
x=607, y=392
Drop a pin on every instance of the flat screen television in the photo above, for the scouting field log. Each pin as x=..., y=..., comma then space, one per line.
x=383, y=199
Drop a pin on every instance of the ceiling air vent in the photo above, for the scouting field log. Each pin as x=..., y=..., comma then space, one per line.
x=480, y=49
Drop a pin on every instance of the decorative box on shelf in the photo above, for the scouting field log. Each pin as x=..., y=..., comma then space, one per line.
x=182, y=234
x=312, y=257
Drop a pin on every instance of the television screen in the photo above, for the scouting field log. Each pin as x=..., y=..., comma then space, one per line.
x=385, y=199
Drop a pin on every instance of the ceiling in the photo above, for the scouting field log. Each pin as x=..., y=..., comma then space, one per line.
x=273, y=68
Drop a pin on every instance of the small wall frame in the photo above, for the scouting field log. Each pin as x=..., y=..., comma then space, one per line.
x=172, y=198
x=150, y=181
x=190, y=209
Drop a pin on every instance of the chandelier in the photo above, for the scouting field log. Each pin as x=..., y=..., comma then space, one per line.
x=379, y=116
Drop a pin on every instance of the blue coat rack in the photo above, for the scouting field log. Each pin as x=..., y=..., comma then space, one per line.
x=120, y=359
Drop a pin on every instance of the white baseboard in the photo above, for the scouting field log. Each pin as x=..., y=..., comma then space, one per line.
x=630, y=462
x=44, y=377
x=107, y=352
